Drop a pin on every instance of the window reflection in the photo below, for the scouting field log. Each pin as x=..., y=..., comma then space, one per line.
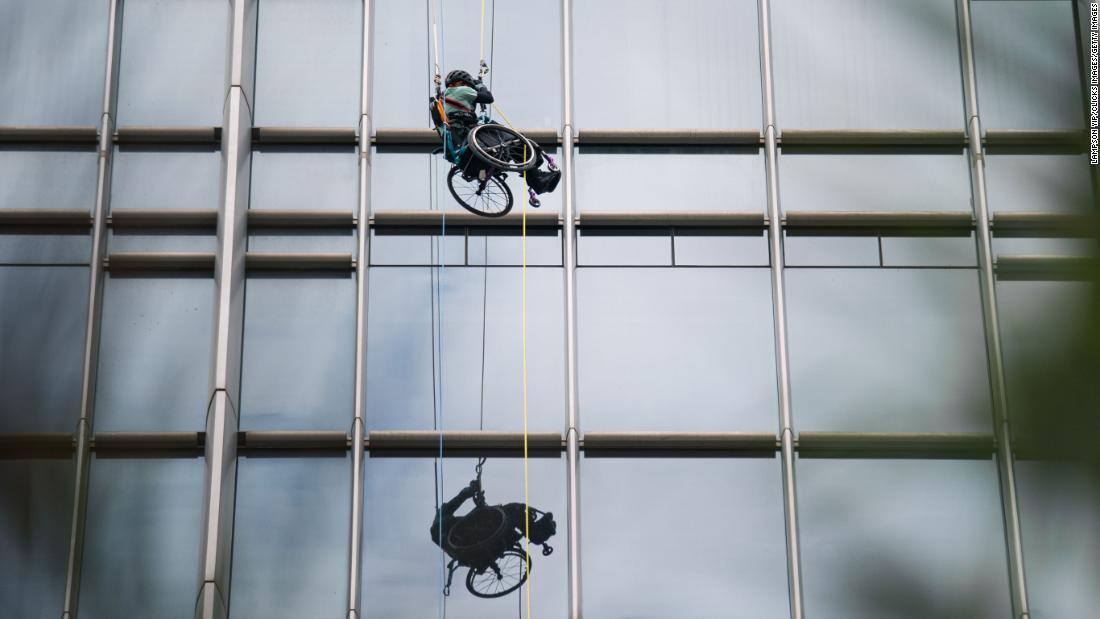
x=45, y=177
x=310, y=178
x=165, y=177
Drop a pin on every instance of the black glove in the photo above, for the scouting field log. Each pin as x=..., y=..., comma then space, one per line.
x=474, y=487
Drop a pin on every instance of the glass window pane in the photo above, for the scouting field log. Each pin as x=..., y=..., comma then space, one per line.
x=506, y=248
x=839, y=64
x=43, y=177
x=41, y=247
x=308, y=63
x=144, y=530
x=36, y=498
x=165, y=177
x=683, y=538
x=304, y=241
x=173, y=63
x=651, y=249
x=290, y=556
x=395, y=247
x=54, y=52
x=400, y=389
x=319, y=178
x=1028, y=70
x=1060, y=522
x=170, y=239
x=922, y=538
x=644, y=179
x=299, y=356
x=923, y=251
x=524, y=77
x=866, y=182
x=676, y=349
x=898, y=350
x=43, y=311
x=1039, y=183
x=647, y=74
x=403, y=569
x=801, y=250
x=155, y=352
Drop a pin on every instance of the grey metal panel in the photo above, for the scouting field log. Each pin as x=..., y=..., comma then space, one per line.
x=668, y=137
x=159, y=261
x=305, y=135
x=428, y=137
x=1035, y=137
x=870, y=137
x=257, y=261
x=168, y=135
x=896, y=445
x=314, y=439
x=435, y=219
x=1042, y=268
x=419, y=440
x=45, y=133
x=736, y=219
x=1043, y=225
x=271, y=218
x=45, y=217
x=163, y=217
x=1005, y=464
x=210, y=603
x=961, y=220
x=221, y=478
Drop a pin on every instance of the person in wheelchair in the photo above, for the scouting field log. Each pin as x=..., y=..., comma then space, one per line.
x=463, y=93
x=541, y=527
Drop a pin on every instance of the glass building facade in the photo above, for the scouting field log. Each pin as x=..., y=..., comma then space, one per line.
x=768, y=339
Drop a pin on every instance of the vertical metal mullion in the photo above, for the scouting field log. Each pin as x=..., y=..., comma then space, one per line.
x=222, y=421
x=1005, y=460
x=569, y=267
x=779, y=315
x=358, y=428
x=105, y=152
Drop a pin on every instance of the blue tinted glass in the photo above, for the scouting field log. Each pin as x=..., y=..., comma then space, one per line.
x=165, y=239
x=1039, y=183
x=42, y=321
x=676, y=349
x=683, y=538
x=831, y=69
x=847, y=251
x=699, y=248
x=639, y=65
x=402, y=568
x=54, y=52
x=887, y=350
x=165, y=178
x=866, y=182
x=154, y=355
x=144, y=529
x=1028, y=71
x=595, y=249
x=396, y=248
x=929, y=252
x=290, y=538
x=400, y=385
x=43, y=248
x=902, y=538
x=35, y=510
x=299, y=357
x=173, y=63
x=664, y=179
x=308, y=63
x=47, y=178
x=303, y=241
x=319, y=178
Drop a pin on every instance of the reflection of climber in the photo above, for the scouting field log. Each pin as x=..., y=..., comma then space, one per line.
x=542, y=526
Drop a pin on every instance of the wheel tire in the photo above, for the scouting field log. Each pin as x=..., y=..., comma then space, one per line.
x=495, y=199
x=514, y=565
x=502, y=147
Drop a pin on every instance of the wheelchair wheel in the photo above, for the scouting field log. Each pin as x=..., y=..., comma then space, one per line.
x=502, y=577
x=492, y=198
x=502, y=148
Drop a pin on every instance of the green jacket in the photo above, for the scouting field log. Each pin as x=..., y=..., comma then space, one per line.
x=464, y=98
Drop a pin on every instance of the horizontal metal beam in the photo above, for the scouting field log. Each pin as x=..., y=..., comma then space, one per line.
x=159, y=261
x=296, y=439
x=163, y=217
x=271, y=218
x=1034, y=137
x=264, y=261
x=45, y=217
x=434, y=219
x=306, y=135
x=168, y=135
x=37, y=445
x=49, y=133
x=679, y=443
x=1044, y=225
x=669, y=137
x=894, y=445
x=416, y=136
x=410, y=442
x=686, y=219
x=870, y=137
x=148, y=441
x=960, y=221
x=1046, y=268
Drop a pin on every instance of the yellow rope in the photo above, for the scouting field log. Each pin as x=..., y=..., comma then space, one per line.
x=482, y=32
x=526, y=502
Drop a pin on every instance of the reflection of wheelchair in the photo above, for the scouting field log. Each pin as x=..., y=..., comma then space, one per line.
x=480, y=156
x=486, y=540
